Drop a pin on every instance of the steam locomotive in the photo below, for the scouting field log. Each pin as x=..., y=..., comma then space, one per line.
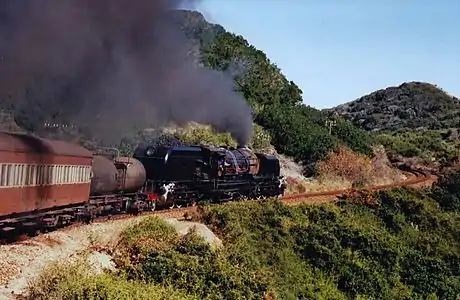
x=46, y=183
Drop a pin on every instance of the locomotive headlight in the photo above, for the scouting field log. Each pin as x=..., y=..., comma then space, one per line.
x=149, y=152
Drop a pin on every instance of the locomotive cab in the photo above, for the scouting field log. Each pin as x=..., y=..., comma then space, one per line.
x=269, y=165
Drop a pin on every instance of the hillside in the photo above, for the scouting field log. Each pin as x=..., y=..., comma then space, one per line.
x=397, y=244
x=412, y=105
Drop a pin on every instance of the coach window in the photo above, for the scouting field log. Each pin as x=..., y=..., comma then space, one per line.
x=60, y=174
x=53, y=174
x=44, y=173
x=50, y=174
x=2, y=175
x=36, y=175
x=47, y=174
x=25, y=175
x=79, y=174
x=21, y=175
x=39, y=175
x=56, y=174
x=17, y=178
x=32, y=175
x=74, y=175
x=7, y=175
x=15, y=175
x=83, y=174
x=12, y=180
x=59, y=170
x=25, y=180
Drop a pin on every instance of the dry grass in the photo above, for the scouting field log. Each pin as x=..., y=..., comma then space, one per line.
x=346, y=164
x=343, y=169
x=357, y=170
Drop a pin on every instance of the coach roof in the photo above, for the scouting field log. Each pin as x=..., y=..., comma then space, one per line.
x=14, y=142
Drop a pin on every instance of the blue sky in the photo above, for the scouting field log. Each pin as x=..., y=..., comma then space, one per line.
x=339, y=50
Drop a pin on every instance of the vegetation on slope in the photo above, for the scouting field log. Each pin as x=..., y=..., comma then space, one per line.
x=398, y=244
x=431, y=146
x=415, y=119
x=413, y=105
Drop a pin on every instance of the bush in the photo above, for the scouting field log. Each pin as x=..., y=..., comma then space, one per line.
x=188, y=264
x=447, y=192
x=426, y=144
x=71, y=280
x=346, y=164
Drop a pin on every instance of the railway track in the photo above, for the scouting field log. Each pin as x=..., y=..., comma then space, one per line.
x=414, y=179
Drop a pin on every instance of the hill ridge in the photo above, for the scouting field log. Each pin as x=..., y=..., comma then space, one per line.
x=412, y=105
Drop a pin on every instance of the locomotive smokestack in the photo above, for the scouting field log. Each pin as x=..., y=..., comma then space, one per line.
x=114, y=66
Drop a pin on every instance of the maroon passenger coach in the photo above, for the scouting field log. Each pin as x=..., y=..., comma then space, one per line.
x=38, y=174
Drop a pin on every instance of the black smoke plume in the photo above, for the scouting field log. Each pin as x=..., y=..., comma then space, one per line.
x=112, y=65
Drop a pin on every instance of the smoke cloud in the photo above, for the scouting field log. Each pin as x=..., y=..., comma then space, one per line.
x=113, y=65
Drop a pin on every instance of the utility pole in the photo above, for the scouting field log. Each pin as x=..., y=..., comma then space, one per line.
x=330, y=124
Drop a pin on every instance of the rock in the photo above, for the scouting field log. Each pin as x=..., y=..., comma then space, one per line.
x=99, y=262
x=183, y=227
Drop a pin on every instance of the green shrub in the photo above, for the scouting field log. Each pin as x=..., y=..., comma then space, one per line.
x=447, y=192
x=71, y=280
x=428, y=145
